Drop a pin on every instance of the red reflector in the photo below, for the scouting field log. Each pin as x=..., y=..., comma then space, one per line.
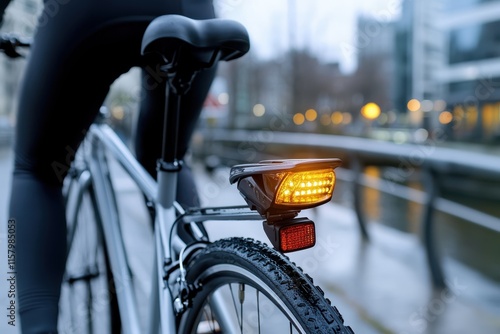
x=297, y=237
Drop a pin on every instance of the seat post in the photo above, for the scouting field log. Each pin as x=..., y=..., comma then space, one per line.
x=169, y=159
x=180, y=76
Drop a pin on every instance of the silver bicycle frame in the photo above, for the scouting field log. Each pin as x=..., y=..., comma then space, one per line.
x=103, y=141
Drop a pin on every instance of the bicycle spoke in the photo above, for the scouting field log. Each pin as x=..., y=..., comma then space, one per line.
x=258, y=310
x=241, y=297
x=245, y=304
x=210, y=322
x=90, y=319
x=240, y=320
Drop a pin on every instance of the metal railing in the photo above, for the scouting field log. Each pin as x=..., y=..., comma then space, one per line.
x=430, y=160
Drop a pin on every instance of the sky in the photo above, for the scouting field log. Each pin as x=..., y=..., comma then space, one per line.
x=325, y=27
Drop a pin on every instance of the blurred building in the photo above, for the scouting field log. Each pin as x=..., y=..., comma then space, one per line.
x=447, y=59
x=376, y=45
x=470, y=73
x=419, y=54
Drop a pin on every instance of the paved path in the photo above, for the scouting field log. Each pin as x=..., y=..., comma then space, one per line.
x=380, y=287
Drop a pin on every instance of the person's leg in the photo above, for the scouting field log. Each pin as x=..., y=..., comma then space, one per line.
x=37, y=210
x=56, y=108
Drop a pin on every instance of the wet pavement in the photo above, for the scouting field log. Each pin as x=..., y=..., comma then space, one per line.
x=380, y=286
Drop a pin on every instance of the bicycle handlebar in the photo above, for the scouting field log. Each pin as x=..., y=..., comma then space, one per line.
x=9, y=44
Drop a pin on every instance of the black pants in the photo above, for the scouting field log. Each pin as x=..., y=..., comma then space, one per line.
x=81, y=47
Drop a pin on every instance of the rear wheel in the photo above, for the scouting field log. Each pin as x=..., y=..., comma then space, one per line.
x=88, y=301
x=243, y=286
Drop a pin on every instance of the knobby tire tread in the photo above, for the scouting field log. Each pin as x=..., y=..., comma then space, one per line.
x=307, y=300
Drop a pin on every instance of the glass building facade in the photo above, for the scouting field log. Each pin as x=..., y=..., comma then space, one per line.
x=471, y=69
x=474, y=42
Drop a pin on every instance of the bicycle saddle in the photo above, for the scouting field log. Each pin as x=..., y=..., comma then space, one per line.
x=208, y=40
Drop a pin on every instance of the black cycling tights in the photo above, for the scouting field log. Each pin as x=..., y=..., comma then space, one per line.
x=80, y=48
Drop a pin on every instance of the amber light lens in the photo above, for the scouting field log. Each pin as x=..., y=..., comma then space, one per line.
x=303, y=188
x=297, y=237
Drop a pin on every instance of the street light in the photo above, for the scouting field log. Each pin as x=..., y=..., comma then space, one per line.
x=413, y=105
x=311, y=115
x=259, y=110
x=370, y=111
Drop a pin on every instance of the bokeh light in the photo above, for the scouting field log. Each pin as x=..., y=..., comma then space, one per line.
x=223, y=98
x=337, y=117
x=298, y=119
x=370, y=110
x=259, y=110
x=445, y=117
x=413, y=105
x=311, y=115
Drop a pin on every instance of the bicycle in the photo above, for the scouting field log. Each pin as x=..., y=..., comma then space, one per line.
x=231, y=285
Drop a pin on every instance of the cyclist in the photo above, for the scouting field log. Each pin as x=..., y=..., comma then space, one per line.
x=80, y=47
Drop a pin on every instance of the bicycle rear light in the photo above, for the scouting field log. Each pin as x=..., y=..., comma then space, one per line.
x=292, y=234
x=305, y=187
x=275, y=186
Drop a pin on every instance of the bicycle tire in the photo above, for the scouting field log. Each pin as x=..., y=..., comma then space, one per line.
x=88, y=301
x=272, y=275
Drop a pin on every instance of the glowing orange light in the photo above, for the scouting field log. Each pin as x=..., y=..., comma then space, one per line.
x=306, y=187
x=298, y=119
x=337, y=117
x=445, y=117
x=311, y=115
x=413, y=105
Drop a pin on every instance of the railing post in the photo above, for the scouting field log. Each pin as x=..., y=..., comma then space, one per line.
x=431, y=185
x=357, y=169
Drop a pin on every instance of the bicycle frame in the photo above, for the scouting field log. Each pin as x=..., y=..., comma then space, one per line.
x=103, y=141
